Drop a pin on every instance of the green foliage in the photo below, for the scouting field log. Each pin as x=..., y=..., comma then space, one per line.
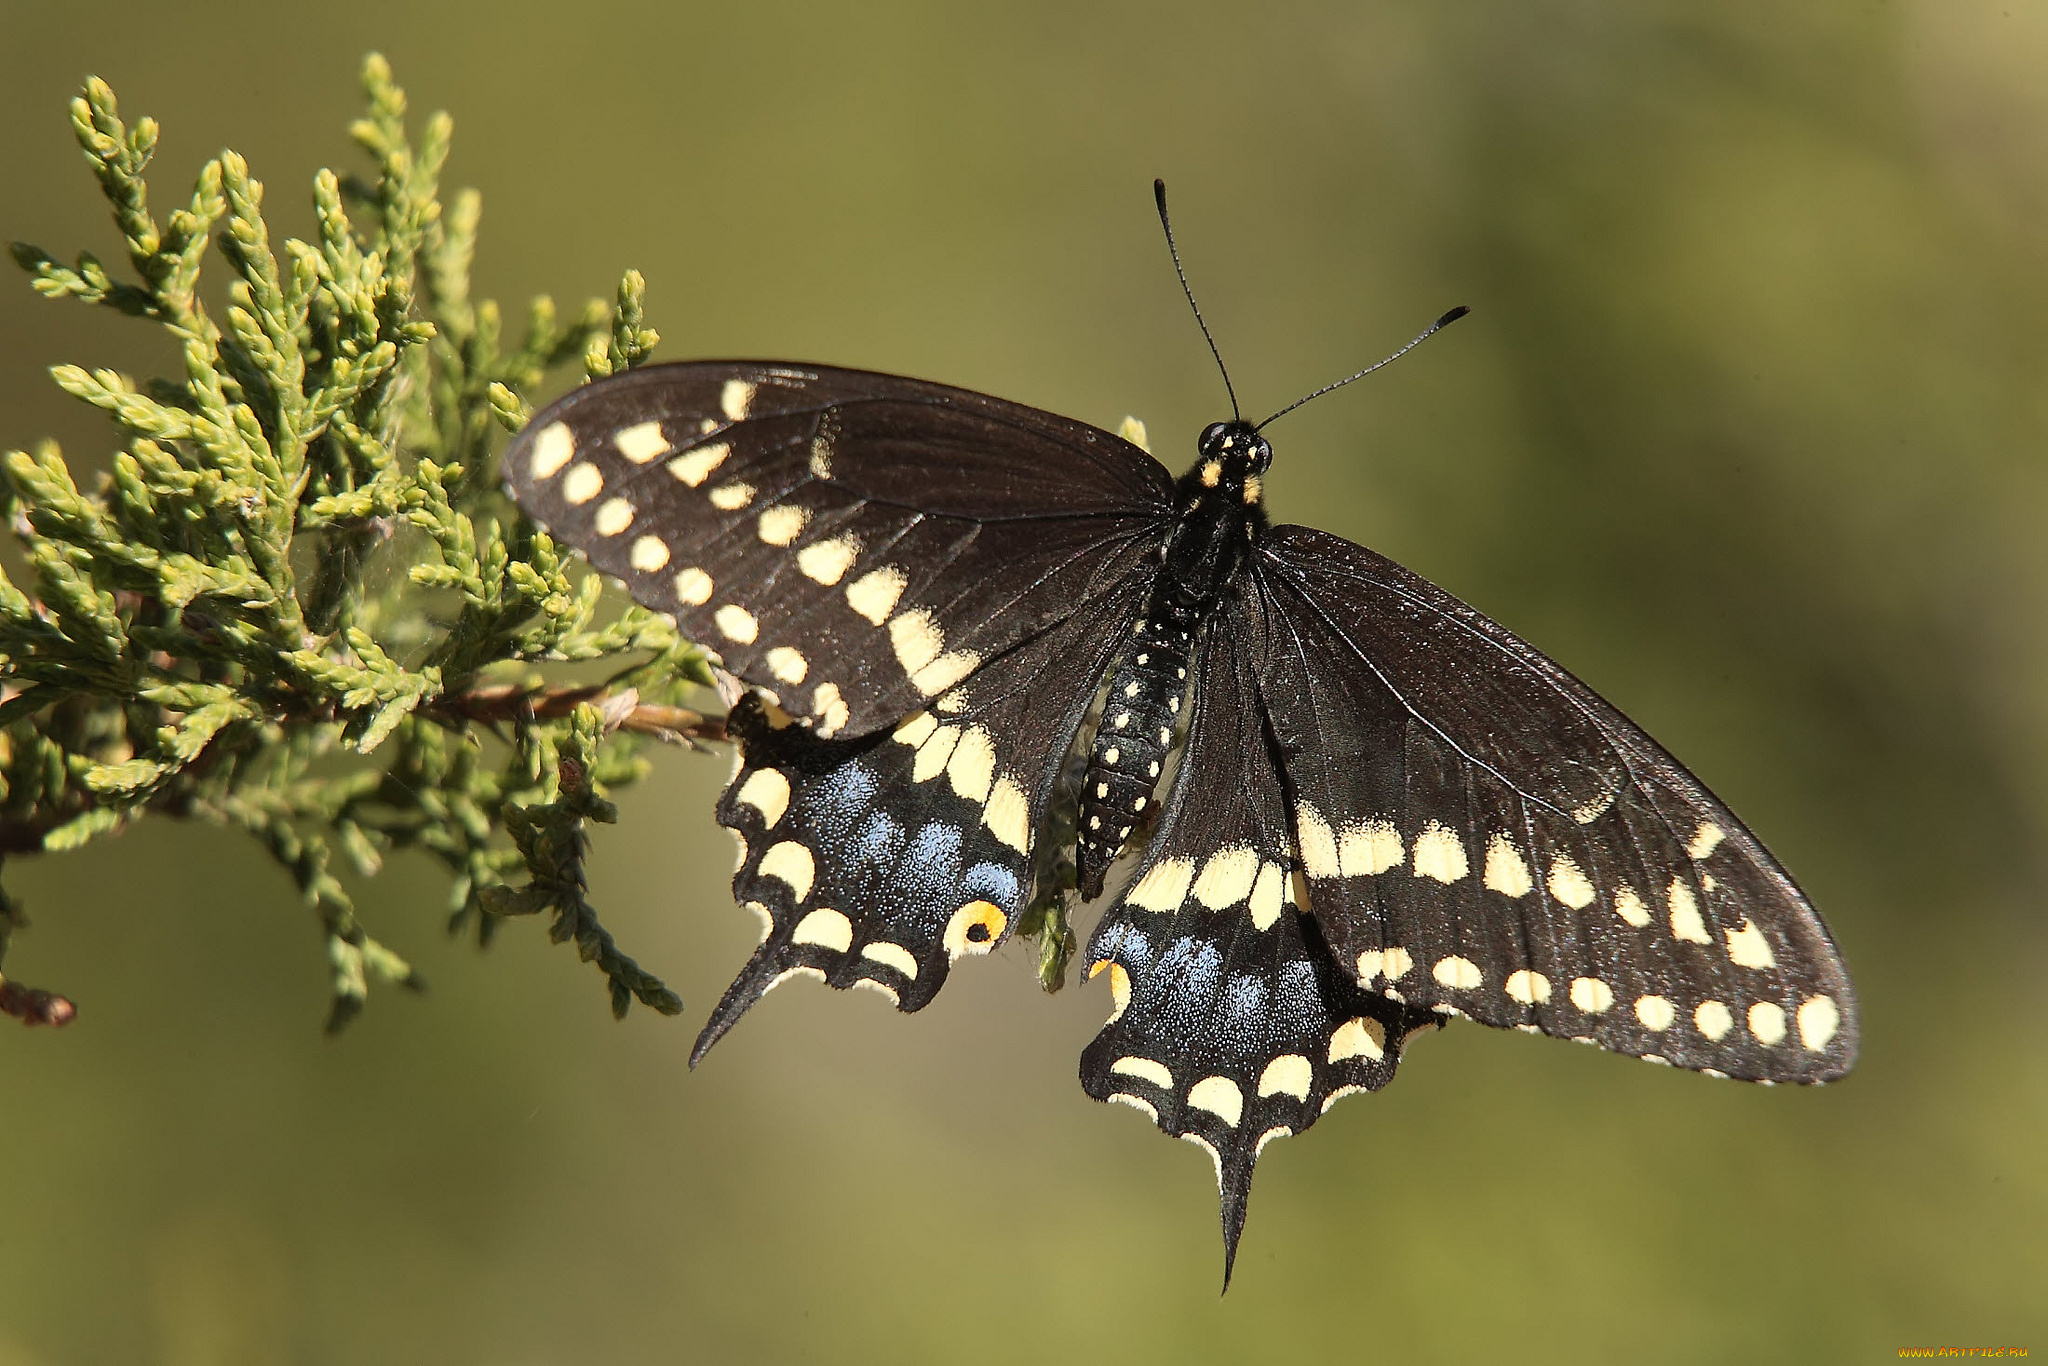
x=217, y=627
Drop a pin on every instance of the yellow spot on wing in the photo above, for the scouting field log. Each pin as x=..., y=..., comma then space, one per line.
x=736, y=623
x=1506, y=872
x=1630, y=907
x=874, y=593
x=1144, y=1069
x=1767, y=1022
x=1819, y=1018
x=694, y=586
x=1133, y=431
x=767, y=791
x=1686, y=923
x=972, y=767
x=891, y=955
x=1268, y=895
x=1704, y=839
x=783, y=523
x=694, y=467
x=552, y=449
x=825, y=928
x=1164, y=886
x=1592, y=995
x=1220, y=1097
x=1461, y=974
x=1528, y=987
x=733, y=496
x=826, y=562
x=1227, y=877
x=1008, y=816
x=933, y=753
x=641, y=443
x=787, y=664
x=614, y=515
x=1290, y=1074
x=1714, y=1020
x=916, y=727
x=735, y=398
x=1655, y=1012
x=1369, y=847
x=791, y=863
x=1568, y=884
x=1439, y=854
x=1748, y=948
x=583, y=483
x=1318, y=842
x=1359, y=1038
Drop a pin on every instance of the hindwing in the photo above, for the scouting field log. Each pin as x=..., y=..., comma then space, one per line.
x=1233, y=1023
x=878, y=861
x=855, y=545
x=1483, y=835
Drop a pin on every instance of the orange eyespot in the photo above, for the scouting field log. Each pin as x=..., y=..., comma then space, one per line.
x=975, y=928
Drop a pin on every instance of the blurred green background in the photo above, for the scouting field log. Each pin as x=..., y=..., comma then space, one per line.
x=1748, y=428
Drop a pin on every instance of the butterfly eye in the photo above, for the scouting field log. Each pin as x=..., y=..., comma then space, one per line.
x=1212, y=437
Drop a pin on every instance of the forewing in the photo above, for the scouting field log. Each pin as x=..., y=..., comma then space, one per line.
x=1484, y=835
x=1233, y=1023
x=878, y=861
x=855, y=544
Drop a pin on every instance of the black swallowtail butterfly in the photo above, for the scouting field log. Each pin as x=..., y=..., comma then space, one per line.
x=1386, y=809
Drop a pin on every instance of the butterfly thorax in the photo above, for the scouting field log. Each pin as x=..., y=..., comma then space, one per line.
x=1219, y=517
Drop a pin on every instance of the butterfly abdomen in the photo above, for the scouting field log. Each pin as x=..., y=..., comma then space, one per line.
x=1147, y=688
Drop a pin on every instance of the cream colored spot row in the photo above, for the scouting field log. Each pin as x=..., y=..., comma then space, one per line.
x=1704, y=839
x=1656, y=1013
x=1367, y=848
x=641, y=443
x=767, y=791
x=1506, y=871
x=1530, y=988
x=787, y=664
x=1227, y=876
x=827, y=561
x=583, y=483
x=874, y=593
x=782, y=524
x=1767, y=1022
x=1268, y=895
x=736, y=624
x=1144, y=1069
x=649, y=554
x=694, y=467
x=1318, y=841
x=1686, y=923
x=891, y=956
x=791, y=864
x=1290, y=1074
x=735, y=399
x=732, y=496
x=972, y=767
x=1748, y=948
x=1460, y=974
x=826, y=928
x=1008, y=816
x=614, y=515
x=1164, y=886
x=552, y=449
x=694, y=587
x=1568, y=884
x=1393, y=964
x=1819, y=1018
x=1439, y=854
x=1630, y=907
x=830, y=709
x=1220, y=1097
x=1592, y=995
x=933, y=754
x=1713, y=1019
x=1359, y=1038
x=916, y=728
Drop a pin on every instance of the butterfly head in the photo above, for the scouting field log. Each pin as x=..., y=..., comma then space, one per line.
x=1234, y=459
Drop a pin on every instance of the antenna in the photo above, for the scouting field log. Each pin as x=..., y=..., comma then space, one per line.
x=1445, y=321
x=1159, y=193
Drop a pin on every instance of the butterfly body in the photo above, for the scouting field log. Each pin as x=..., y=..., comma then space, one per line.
x=1219, y=517
x=1387, y=809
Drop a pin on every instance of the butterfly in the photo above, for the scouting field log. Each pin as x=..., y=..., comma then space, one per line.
x=980, y=647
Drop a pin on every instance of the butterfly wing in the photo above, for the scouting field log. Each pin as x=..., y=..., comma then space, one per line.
x=855, y=544
x=880, y=860
x=1233, y=1022
x=1483, y=835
